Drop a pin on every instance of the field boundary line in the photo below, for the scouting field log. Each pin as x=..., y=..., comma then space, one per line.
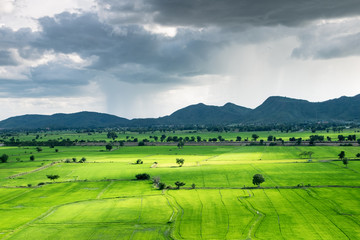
x=178, y=217
x=202, y=208
x=257, y=215
x=102, y=191
x=278, y=217
x=169, y=233
x=7, y=200
x=138, y=220
x=304, y=216
x=53, y=208
x=320, y=212
x=331, y=204
x=35, y=170
x=331, y=162
x=263, y=172
x=227, y=213
x=276, y=187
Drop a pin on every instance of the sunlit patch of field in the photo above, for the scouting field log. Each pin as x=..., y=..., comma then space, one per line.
x=100, y=199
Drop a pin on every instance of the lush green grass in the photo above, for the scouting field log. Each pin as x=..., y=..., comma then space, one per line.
x=100, y=199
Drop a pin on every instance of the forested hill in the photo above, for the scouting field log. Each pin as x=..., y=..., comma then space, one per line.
x=64, y=121
x=288, y=110
x=273, y=110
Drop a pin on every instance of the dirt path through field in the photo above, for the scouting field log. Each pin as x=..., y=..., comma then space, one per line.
x=35, y=170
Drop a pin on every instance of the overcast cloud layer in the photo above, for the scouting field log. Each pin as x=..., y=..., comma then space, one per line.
x=147, y=58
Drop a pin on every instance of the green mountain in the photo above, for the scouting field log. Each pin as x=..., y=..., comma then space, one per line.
x=205, y=114
x=273, y=110
x=64, y=121
x=289, y=110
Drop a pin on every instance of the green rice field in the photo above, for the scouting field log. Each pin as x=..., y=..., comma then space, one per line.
x=100, y=199
x=205, y=135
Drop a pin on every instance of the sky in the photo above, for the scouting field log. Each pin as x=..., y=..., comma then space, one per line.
x=149, y=58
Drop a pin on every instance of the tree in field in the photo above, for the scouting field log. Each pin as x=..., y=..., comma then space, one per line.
x=180, y=144
x=163, y=137
x=82, y=160
x=341, y=138
x=52, y=177
x=255, y=137
x=270, y=138
x=341, y=155
x=358, y=155
x=139, y=161
x=258, y=179
x=156, y=180
x=38, y=149
x=32, y=158
x=112, y=135
x=238, y=139
x=161, y=186
x=180, y=161
x=179, y=184
x=306, y=153
x=345, y=161
x=108, y=147
x=4, y=158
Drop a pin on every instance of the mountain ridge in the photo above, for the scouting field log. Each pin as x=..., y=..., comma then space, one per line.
x=275, y=109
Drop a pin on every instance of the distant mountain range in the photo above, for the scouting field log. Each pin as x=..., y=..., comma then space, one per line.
x=273, y=110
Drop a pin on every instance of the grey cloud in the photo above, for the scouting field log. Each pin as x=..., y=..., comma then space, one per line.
x=7, y=59
x=236, y=13
x=87, y=36
x=48, y=80
x=125, y=12
x=55, y=74
x=21, y=40
x=324, y=47
x=16, y=39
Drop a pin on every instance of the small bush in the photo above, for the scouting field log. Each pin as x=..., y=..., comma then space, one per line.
x=41, y=183
x=142, y=176
x=4, y=158
x=139, y=161
x=29, y=185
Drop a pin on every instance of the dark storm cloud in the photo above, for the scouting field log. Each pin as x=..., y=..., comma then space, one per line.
x=117, y=45
x=132, y=55
x=87, y=36
x=235, y=13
